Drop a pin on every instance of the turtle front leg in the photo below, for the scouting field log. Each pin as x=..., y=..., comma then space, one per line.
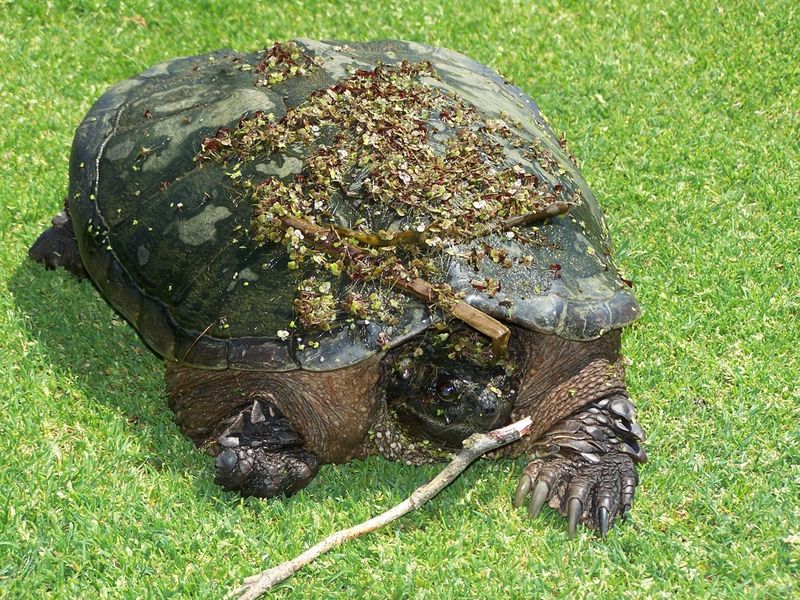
x=585, y=467
x=261, y=454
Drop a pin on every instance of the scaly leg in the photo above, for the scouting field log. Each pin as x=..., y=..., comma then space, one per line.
x=585, y=466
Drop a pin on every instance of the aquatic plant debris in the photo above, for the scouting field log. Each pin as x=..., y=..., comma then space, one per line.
x=282, y=61
x=419, y=169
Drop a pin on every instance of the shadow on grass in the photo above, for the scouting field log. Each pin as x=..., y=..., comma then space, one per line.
x=87, y=343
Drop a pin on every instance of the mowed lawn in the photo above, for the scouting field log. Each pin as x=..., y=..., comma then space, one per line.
x=685, y=117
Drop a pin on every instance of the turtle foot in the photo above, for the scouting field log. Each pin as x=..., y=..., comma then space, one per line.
x=57, y=247
x=586, y=467
x=261, y=455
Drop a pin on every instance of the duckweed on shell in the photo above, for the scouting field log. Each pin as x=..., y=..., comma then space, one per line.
x=281, y=61
x=416, y=161
x=379, y=227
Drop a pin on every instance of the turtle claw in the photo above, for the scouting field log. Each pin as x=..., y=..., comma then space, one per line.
x=592, y=494
x=628, y=489
x=538, y=498
x=574, y=511
x=586, y=466
x=261, y=455
x=522, y=491
x=602, y=521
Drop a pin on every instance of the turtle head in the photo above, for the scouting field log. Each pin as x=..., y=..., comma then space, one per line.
x=445, y=397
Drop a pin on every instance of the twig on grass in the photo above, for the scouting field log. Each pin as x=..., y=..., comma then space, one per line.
x=474, y=446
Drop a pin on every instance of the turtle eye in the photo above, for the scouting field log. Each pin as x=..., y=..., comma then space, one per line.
x=447, y=391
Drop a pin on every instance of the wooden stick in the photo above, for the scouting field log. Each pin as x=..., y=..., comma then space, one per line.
x=552, y=210
x=474, y=446
x=415, y=238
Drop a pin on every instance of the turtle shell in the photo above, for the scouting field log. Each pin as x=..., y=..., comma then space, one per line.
x=168, y=238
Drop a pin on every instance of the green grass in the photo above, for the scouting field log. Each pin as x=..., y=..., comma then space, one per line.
x=686, y=119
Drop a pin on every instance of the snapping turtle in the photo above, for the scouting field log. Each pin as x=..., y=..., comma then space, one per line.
x=349, y=249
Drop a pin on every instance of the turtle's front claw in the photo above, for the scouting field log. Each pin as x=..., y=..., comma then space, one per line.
x=538, y=498
x=523, y=488
x=602, y=520
x=587, y=466
x=261, y=455
x=574, y=510
x=592, y=494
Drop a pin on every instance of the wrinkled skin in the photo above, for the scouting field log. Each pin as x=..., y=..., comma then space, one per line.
x=270, y=431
